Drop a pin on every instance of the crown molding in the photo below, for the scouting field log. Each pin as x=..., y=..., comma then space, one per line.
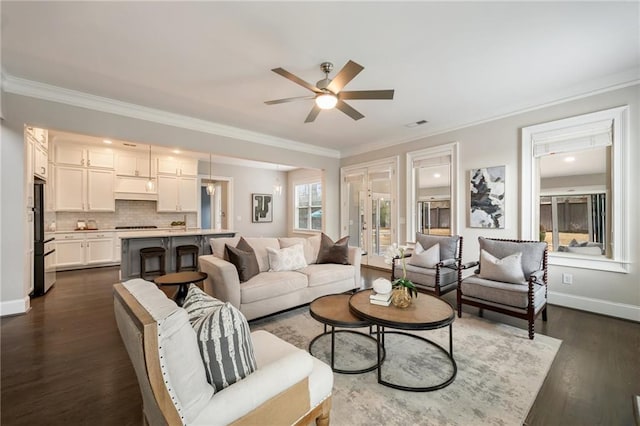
x=361, y=149
x=38, y=90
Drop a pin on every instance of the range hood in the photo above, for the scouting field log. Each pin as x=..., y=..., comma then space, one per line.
x=133, y=188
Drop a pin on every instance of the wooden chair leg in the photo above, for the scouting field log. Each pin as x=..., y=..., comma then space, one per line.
x=544, y=314
x=481, y=313
x=531, y=329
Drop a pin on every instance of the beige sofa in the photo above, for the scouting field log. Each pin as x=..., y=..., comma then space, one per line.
x=289, y=386
x=270, y=292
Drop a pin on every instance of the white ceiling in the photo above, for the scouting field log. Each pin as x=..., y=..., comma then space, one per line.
x=451, y=64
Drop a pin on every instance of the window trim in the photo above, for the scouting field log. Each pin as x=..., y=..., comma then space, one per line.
x=307, y=181
x=530, y=186
x=450, y=149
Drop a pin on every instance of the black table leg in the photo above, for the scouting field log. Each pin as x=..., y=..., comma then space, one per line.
x=181, y=294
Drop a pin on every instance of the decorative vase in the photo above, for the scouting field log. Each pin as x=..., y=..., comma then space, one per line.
x=400, y=297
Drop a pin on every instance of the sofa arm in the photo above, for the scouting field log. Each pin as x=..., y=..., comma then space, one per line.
x=240, y=398
x=355, y=259
x=222, y=281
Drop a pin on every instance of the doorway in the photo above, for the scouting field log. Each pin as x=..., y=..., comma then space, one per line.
x=215, y=208
x=369, y=208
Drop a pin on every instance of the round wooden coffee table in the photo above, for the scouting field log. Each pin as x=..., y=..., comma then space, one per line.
x=333, y=311
x=183, y=279
x=426, y=312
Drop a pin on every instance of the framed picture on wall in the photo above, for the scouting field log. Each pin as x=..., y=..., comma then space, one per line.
x=261, y=208
x=487, y=197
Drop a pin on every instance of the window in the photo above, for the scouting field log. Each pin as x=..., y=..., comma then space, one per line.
x=308, y=206
x=575, y=189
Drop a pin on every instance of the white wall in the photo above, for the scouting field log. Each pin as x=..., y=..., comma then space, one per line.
x=498, y=143
x=18, y=110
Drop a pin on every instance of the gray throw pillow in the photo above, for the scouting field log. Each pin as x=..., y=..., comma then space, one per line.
x=224, y=339
x=244, y=259
x=506, y=270
x=448, y=245
x=331, y=252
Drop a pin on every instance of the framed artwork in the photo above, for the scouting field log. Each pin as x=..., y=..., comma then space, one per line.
x=261, y=208
x=487, y=197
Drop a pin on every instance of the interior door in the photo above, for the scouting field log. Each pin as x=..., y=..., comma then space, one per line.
x=369, y=209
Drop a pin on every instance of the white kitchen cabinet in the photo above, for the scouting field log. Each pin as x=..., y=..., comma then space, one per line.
x=81, y=189
x=177, y=167
x=41, y=166
x=28, y=171
x=177, y=194
x=79, y=249
x=131, y=164
x=100, y=184
x=79, y=155
x=69, y=250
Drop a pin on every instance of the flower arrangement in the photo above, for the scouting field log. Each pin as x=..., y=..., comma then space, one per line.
x=395, y=252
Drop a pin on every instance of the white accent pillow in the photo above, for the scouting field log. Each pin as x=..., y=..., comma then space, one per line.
x=286, y=259
x=507, y=269
x=425, y=258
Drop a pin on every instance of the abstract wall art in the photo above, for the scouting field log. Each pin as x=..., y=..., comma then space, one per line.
x=262, y=208
x=487, y=197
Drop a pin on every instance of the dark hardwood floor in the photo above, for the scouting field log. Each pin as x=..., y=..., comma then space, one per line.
x=64, y=362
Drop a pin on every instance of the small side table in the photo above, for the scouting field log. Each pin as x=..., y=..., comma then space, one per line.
x=183, y=279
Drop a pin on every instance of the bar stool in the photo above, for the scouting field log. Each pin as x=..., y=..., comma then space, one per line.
x=185, y=250
x=152, y=253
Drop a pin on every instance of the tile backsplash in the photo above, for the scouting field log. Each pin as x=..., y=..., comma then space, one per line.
x=128, y=213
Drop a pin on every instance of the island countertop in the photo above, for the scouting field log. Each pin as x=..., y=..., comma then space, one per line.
x=172, y=232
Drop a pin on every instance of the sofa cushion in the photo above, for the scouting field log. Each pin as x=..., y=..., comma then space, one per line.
x=310, y=245
x=321, y=274
x=260, y=245
x=532, y=252
x=448, y=245
x=508, y=269
x=331, y=252
x=218, y=246
x=425, y=258
x=286, y=259
x=268, y=285
x=224, y=339
x=178, y=348
x=427, y=276
x=244, y=259
x=516, y=296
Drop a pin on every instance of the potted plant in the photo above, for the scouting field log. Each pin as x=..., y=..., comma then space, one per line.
x=403, y=288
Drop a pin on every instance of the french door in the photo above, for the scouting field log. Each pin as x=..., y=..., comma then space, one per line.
x=370, y=209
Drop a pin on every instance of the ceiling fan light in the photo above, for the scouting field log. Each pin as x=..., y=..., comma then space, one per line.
x=326, y=100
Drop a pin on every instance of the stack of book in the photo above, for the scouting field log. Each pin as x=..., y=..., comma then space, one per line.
x=380, y=299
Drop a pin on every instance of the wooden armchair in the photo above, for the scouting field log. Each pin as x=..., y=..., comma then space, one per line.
x=444, y=276
x=511, y=279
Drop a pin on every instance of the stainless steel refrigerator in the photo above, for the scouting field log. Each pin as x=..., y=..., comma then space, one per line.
x=44, y=265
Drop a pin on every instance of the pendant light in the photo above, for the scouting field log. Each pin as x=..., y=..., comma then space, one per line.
x=150, y=185
x=210, y=188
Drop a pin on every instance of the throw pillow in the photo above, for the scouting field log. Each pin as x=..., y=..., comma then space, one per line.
x=197, y=303
x=224, y=339
x=244, y=259
x=286, y=259
x=331, y=252
x=425, y=258
x=507, y=269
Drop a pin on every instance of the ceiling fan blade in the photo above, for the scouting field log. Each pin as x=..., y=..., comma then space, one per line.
x=281, y=101
x=346, y=74
x=366, y=94
x=313, y=114
x=296, y=79
x=350, y=111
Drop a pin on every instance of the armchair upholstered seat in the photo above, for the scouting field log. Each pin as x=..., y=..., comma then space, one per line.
x=444, y=276
x=511, y=279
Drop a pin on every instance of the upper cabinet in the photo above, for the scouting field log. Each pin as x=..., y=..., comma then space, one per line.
x=78, y=155
x=38, y=139
x=177, y=167
x=132, y=164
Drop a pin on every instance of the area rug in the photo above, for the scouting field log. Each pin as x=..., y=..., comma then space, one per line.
x=500, y=372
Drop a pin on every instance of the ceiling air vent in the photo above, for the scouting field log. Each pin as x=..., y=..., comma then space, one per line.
x=417, y=123
x=132, y=145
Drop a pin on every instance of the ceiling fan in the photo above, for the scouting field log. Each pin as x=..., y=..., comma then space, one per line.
x=328, y=92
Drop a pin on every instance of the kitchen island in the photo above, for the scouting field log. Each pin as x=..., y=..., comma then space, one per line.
x=133, y=241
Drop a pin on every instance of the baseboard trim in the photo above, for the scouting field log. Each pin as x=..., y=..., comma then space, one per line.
x=604, y=307
x=14, y=307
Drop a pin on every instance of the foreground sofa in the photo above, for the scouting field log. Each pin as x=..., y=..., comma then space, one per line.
x=288, y=387
x=270, y=292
